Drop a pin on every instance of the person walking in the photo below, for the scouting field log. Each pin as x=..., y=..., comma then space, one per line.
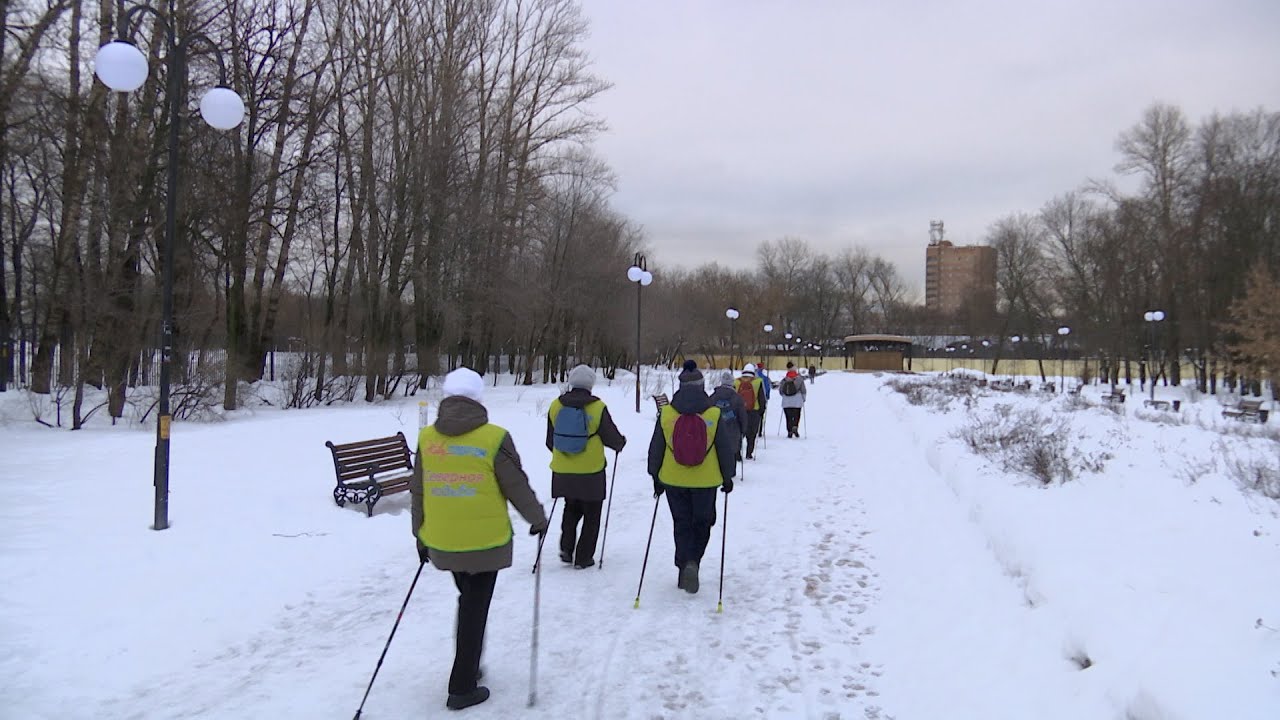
x=793, y=392
x=467, y=471
x=813, y=373
x=579, y=428
x=732, y=410
x=762, y=372
x=751, y=390
x=690, y=455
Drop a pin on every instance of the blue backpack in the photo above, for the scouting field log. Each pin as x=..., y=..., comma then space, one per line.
x=570, y=431
x=726, y=409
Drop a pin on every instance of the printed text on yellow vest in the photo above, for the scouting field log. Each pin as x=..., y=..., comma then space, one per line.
x=464, y=510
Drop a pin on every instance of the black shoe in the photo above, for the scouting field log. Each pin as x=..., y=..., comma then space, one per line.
x=689, y=578
x=566, y=558
x=680, y=578
x=466, y=700
x=585, y=564
x=750, y=456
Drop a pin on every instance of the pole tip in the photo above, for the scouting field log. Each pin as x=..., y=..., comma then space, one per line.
x=719, y=607
x=637, y=605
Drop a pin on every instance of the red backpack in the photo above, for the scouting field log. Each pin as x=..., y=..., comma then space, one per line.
x=689, y=440
x=747, y=391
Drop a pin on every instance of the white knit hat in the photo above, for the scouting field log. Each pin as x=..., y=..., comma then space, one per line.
x=464, y=382
x=750, y=368
x=582, y=377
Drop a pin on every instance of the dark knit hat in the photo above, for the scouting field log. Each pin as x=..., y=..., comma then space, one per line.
x=690, y=375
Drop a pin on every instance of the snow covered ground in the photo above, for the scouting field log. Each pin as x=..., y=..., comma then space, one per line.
x=876, y=568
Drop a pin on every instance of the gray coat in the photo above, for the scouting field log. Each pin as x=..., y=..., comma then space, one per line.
x=459, y=415
x=797, y=400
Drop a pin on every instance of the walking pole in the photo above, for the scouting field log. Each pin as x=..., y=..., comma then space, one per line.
x=804, y=418
x=764, y=427
x=647, y=543
x=784, y=412
x=543, y=538
x=609, y=508
x=724, y=535
x=393, y=634
x=537, y=600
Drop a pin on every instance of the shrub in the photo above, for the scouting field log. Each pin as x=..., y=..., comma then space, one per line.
x=1029, y=442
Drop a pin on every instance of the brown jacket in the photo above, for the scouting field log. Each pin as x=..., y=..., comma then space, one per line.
x=459, y=415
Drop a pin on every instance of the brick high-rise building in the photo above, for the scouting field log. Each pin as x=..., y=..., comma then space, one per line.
x=956, y=274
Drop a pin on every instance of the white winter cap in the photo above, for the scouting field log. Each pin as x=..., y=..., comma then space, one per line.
x=464, y=382
x=750, y=368
x=726, y=378
x=582, y=377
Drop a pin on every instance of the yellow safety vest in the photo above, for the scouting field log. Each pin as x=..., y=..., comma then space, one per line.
x=591, y=459
x=707, y=474
x=463, y=508
x=759, y=385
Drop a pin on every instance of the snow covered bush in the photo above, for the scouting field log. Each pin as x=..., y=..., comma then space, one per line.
x=1256, y=472
x=937, y=392
x=1030, y=442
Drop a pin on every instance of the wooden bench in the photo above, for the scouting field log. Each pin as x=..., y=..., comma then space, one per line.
x=1156, y=404
x=1049, y=387
x=1245, y=410
x=1114, y=397
x=1003, y=385
x=1074, y=389
x=661, y=400
x=370, y=470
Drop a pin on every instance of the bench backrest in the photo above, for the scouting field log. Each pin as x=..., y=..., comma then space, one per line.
x=1250, y=405
x=661, y=399
x=355, y=461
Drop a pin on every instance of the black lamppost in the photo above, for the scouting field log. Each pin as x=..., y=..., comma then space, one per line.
x=1152, y=318
x=1063, y=332
x=1017, y=340
x=733, y=314
x=121, y=66
x=639, y=274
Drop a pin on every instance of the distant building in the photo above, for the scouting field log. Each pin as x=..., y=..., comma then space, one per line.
x=956, y=274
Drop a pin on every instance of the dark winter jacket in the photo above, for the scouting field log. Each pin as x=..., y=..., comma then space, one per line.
x=691, y=399
x=459, y=415
x=729, y=401
x=591, y=485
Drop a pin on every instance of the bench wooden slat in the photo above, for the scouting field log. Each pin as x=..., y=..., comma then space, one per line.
x=389, y=440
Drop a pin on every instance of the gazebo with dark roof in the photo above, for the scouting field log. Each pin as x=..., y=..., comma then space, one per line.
x=877, y=352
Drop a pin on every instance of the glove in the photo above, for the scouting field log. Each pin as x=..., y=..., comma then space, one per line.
x=538, y=529
x=727, y=486
x=658, y=488
x=422, y=553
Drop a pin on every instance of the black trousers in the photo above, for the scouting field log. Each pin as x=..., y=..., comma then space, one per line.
x=587, y=511
x=753, y=429
x=475, y=591
x=693, y=513
x=793, y=420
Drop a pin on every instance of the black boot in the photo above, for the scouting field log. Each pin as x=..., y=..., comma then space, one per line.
x=566, y=557
x=466, y=700
x=689, y=577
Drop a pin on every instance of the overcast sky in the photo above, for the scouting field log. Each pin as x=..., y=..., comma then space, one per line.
x=857, y=122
